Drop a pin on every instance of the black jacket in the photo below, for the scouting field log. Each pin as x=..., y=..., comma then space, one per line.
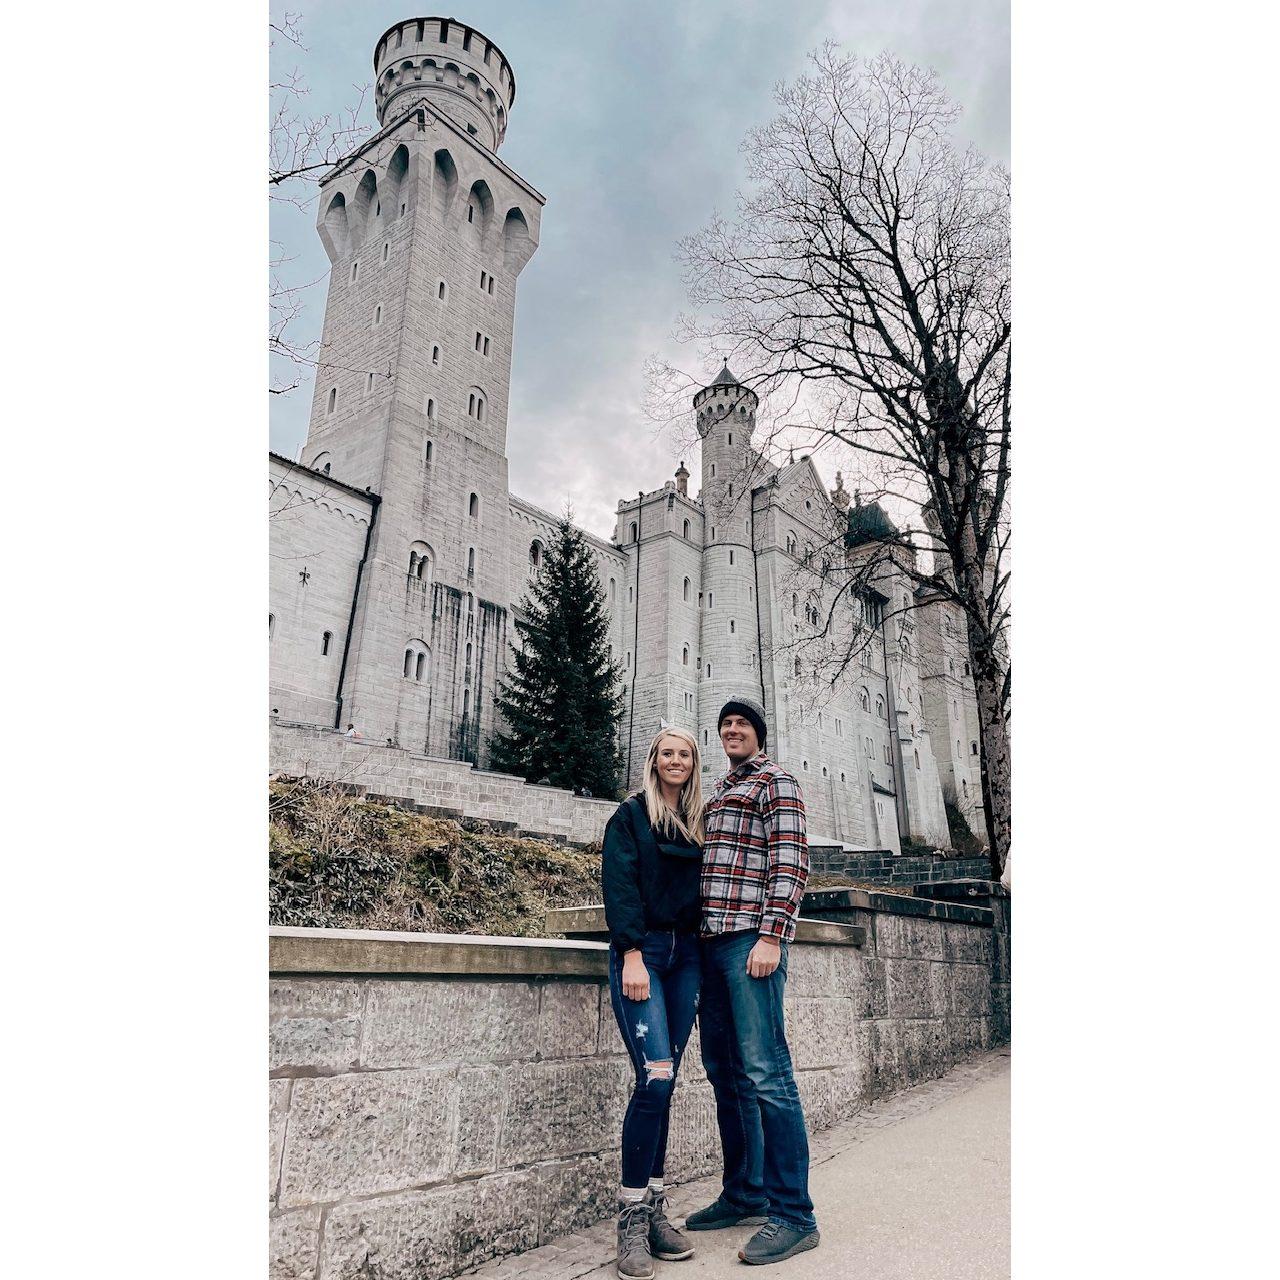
x=650, y=879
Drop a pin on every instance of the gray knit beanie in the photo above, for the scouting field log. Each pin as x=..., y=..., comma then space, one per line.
x=750, y=710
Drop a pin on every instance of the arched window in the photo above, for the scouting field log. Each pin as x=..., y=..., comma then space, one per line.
x=686, y=528
x=973, y=748
x=322, y=462
x=536, y=555
x=713, y=470
x=325, y=641
x=471, y=562
x=685, y=590
x=431, y=407
x=864, y=699
x=377, y=315
x=417, y=661
x=466, y=659
x=442, y=291
x=420, y=563
x=917, y=756
x=730, y=555
x=964, y=787
x=473, y=506
x=634, y=530
x=333, y=399
x=684, y=656
x=435, y=355
x=804, y=764
x=733, y=627
x=711, y=599
x=797, y=666
x=708, y=671
x=706, y=737
x=427, y=450
x=880, y=707
x=271, y=626
x=824, y=771
x=795, y=605
x=466, y=703
x=613, y=590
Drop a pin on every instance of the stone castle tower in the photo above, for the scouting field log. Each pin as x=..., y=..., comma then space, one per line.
x=427, y=231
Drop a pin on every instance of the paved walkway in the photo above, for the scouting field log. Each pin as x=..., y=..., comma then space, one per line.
x=914, y=1188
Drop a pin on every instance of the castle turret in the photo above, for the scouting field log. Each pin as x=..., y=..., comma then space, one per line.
x=461, y=72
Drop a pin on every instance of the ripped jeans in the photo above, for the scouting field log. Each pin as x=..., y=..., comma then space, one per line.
x=655, y=1031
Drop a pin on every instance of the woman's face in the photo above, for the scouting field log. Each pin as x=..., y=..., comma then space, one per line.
x=675, y=761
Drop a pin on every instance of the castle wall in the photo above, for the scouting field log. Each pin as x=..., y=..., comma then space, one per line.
x=317, y=530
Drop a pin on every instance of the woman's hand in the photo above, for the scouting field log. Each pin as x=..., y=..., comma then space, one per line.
x=635, y=977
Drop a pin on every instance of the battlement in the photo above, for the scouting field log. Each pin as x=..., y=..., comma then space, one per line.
x=460, y=70
x=725, y=398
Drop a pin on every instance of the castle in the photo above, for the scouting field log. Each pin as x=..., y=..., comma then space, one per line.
x=399, y=554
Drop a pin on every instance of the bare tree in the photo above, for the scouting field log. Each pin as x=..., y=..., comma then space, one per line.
x=865, y=278
x=301, y=148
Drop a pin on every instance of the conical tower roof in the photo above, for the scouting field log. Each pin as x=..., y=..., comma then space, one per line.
x=725, y=378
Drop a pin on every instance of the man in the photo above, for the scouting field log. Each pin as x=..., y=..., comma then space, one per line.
x=754, y=868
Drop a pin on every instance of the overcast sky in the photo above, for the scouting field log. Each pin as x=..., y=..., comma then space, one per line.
x=628, y=118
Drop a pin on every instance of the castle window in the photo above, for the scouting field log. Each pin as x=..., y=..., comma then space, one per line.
x=271, y=626
x=355, y=269
x=536, y=557
x=633, y=531
x=427, y=450
x=955, y=708
x=869, y=747
x=472, y=130
x=490, y=284
x=839, y=728
x=733, y=627
x=473, y=506
x=684, y=656
x=377, y=213
x=486, y=347
x=880, y=708
x=708, y=671
x=475, y=405
x=386, y=250
x=706, y=737
x=842, y=775
x=964, y=787
x=333, y=399
x=973, y=748
x=917, y=756
x=325, y=641
x=466, y=40
x=471, y=562
x=713, y=470
x=795, y=605
x=731, y=489
x=613, y=589
x=966, y=669
x=417, y=661
x=797, y=666
x=484, y=279
x=804, y=764
x=630, y=594
x=628, y=659
x=730, y=437
x=442, y=291
x=713, y=533
x=886, y=753
x=369, y=384
x=753, y=660
x=431, y=413
x=420, y=562
x=466, y=661
x=686, y=528
x=711, y=599
x=377, y=314
x=685, y=590
x=864, y=699
x=824, y=771
x=730, y=555
x=471, y=209
x=466, y=703
x=435, y=355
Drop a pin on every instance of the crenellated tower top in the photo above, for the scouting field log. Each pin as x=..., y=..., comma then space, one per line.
x=462, y=72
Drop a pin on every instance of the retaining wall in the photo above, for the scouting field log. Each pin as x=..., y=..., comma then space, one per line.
x=444, y=788
x=885, y=867
x=440, y=1100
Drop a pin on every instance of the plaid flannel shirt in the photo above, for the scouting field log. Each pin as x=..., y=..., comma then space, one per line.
x=756, y=859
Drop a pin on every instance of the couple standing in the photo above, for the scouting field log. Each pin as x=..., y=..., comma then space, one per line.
x=701, y=906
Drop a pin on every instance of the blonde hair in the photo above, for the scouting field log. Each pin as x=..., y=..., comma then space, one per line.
x=687, y=816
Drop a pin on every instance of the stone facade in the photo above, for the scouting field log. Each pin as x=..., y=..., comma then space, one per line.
x=427, y=231
x=426, y=1120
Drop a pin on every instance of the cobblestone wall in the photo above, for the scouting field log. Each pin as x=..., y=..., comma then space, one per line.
x=423, y=1122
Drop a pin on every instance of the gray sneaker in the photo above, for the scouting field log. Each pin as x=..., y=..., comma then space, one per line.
x=664, y=1240
x=719, y=1214
x=634, y=1260
x=776, y=1241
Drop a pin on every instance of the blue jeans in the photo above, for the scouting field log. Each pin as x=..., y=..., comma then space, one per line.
x=654, y=1030
x=744, y=1050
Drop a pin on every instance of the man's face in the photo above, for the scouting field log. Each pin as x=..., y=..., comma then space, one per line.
x=739, y=738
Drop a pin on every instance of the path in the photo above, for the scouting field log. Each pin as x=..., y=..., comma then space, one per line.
x=916, y=1187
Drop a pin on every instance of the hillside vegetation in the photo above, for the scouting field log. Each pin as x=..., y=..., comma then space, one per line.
x=337, y=861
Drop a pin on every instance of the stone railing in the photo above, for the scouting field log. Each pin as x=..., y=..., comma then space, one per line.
x=443, y=788
x=438, y=1100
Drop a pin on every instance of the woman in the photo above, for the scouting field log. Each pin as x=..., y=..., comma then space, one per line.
x=652, y=863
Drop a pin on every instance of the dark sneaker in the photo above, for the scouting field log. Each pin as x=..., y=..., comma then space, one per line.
x=634, y=1260
x=775, y=1241
x=665, y=1241
x=719, y=1214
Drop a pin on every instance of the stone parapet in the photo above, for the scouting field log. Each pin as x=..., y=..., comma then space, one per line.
x=439, y=1100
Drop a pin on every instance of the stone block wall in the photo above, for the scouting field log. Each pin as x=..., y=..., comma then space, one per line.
x=448, y=788
x=885, y=867
x=430, y=1111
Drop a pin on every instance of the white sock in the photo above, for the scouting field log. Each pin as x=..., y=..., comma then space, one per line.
x=657, y=1186
x=631, y=1195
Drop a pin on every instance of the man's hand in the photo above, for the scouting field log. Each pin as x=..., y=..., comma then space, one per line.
x=635, y=977
x=764, y=958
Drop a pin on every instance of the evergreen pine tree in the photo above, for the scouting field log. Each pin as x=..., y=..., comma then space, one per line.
x=560, y=699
